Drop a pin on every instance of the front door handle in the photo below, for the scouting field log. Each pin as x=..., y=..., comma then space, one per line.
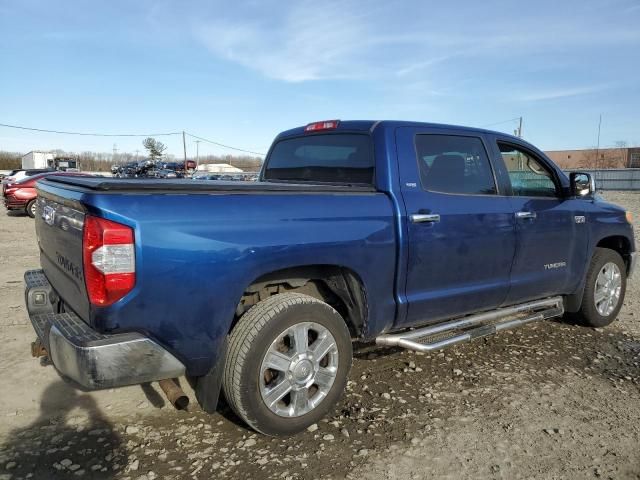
x=526, y=215
x=425, y=217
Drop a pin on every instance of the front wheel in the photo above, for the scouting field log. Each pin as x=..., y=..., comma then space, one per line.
x=287, y=363
x=604, y=290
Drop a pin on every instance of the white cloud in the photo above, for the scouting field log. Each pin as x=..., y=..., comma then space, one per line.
x=553, y=94
x=310, y=41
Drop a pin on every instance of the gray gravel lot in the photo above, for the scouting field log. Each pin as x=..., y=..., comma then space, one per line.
x=551, y=400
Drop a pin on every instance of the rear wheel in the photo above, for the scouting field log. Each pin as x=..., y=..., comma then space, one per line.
x=31, y=208
x=605, y=288
x=287, y=363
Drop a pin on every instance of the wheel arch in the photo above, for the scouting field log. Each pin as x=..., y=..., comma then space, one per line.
x=337, y=285
x=620, y=244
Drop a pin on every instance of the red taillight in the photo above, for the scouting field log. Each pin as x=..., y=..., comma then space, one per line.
x=325, y=125
x=10, y=190
x=108, y=259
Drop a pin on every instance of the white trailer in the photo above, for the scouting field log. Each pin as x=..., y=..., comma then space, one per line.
x=37, y=159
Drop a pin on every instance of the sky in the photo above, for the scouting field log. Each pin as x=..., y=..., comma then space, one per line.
x=239, y=72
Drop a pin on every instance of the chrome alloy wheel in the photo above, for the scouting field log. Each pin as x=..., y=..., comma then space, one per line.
x=608, y=288
x=33, y=208
x=298, y=369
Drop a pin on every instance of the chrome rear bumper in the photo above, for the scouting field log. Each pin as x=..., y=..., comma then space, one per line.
x=92, y=359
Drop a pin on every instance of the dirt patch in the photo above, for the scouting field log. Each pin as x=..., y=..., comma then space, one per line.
x=550, y=400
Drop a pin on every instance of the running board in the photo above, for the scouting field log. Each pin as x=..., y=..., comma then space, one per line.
x=466, y=329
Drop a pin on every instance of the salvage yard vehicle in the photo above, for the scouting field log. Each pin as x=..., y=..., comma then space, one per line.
x=405, y=234
x=19, y=174
x=21, y=194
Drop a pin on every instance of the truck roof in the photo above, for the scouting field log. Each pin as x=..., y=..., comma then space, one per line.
x=370, y=125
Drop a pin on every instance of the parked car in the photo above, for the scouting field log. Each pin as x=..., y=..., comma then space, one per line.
x=407, y=234
x=19, y=174
x=163, y=173
x=21, y=194
x=207, y=176
x=127, y=170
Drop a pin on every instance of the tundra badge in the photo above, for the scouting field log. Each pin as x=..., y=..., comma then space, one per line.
x=551, y=266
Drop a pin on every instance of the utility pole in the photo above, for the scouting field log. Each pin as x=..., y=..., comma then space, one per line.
x=115, y=151
x=598, y=145
x=520, y=128
x=197, y=153
x=137, y=152
x=184, y=147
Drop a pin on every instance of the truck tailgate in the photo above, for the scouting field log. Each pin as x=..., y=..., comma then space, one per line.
x=59, y=226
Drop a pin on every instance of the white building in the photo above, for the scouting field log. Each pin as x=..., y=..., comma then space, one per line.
x=218, y=168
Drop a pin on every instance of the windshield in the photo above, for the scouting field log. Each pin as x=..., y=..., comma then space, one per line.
x=329, y=158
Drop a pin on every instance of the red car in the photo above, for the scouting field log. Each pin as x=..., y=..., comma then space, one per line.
x=22, y=195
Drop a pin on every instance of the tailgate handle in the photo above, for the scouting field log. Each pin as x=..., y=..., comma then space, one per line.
x=526, y=215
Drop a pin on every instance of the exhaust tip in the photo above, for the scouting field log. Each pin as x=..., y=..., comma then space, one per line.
x=174, y=393
x=181, y=403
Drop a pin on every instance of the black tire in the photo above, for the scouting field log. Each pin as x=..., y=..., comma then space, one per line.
x=588, y=314
x=249, y=342
x=30, y=210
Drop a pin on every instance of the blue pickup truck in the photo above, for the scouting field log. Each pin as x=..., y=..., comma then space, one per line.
x=413, y=235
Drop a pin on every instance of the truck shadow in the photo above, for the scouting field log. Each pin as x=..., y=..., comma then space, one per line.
x=16, y=213
x=153, y=396
x=71, y=437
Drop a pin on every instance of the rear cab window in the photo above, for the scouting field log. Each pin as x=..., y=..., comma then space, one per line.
x=334, y=158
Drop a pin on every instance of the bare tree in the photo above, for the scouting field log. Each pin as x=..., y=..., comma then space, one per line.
x=10, y=160
x=621, y=147
x=589, y=159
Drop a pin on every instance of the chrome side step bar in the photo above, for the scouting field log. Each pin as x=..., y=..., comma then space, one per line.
x=465, y=329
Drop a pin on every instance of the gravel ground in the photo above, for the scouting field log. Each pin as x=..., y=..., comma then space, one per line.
x=550, y=400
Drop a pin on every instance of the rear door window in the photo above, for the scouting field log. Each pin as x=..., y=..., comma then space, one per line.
x=330, y=158
x=454, y=164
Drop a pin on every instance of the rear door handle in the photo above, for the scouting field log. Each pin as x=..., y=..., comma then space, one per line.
x=526, y=215
x=425, y=217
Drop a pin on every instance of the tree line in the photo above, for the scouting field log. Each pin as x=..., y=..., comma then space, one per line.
x=101, y=162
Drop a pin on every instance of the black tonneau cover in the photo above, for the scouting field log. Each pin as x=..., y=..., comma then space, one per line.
x=202, y=186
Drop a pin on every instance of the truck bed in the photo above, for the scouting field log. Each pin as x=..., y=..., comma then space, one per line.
x=201, y=186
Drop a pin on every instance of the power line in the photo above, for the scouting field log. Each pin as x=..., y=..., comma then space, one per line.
x=86, y=134
x=91, y=134
x=500, y=123
x=223, y=145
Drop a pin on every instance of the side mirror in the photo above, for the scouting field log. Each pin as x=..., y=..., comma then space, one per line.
x=582, y=184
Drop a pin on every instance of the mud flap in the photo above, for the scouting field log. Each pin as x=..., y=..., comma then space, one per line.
x=208, y=387
x=573, y=302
